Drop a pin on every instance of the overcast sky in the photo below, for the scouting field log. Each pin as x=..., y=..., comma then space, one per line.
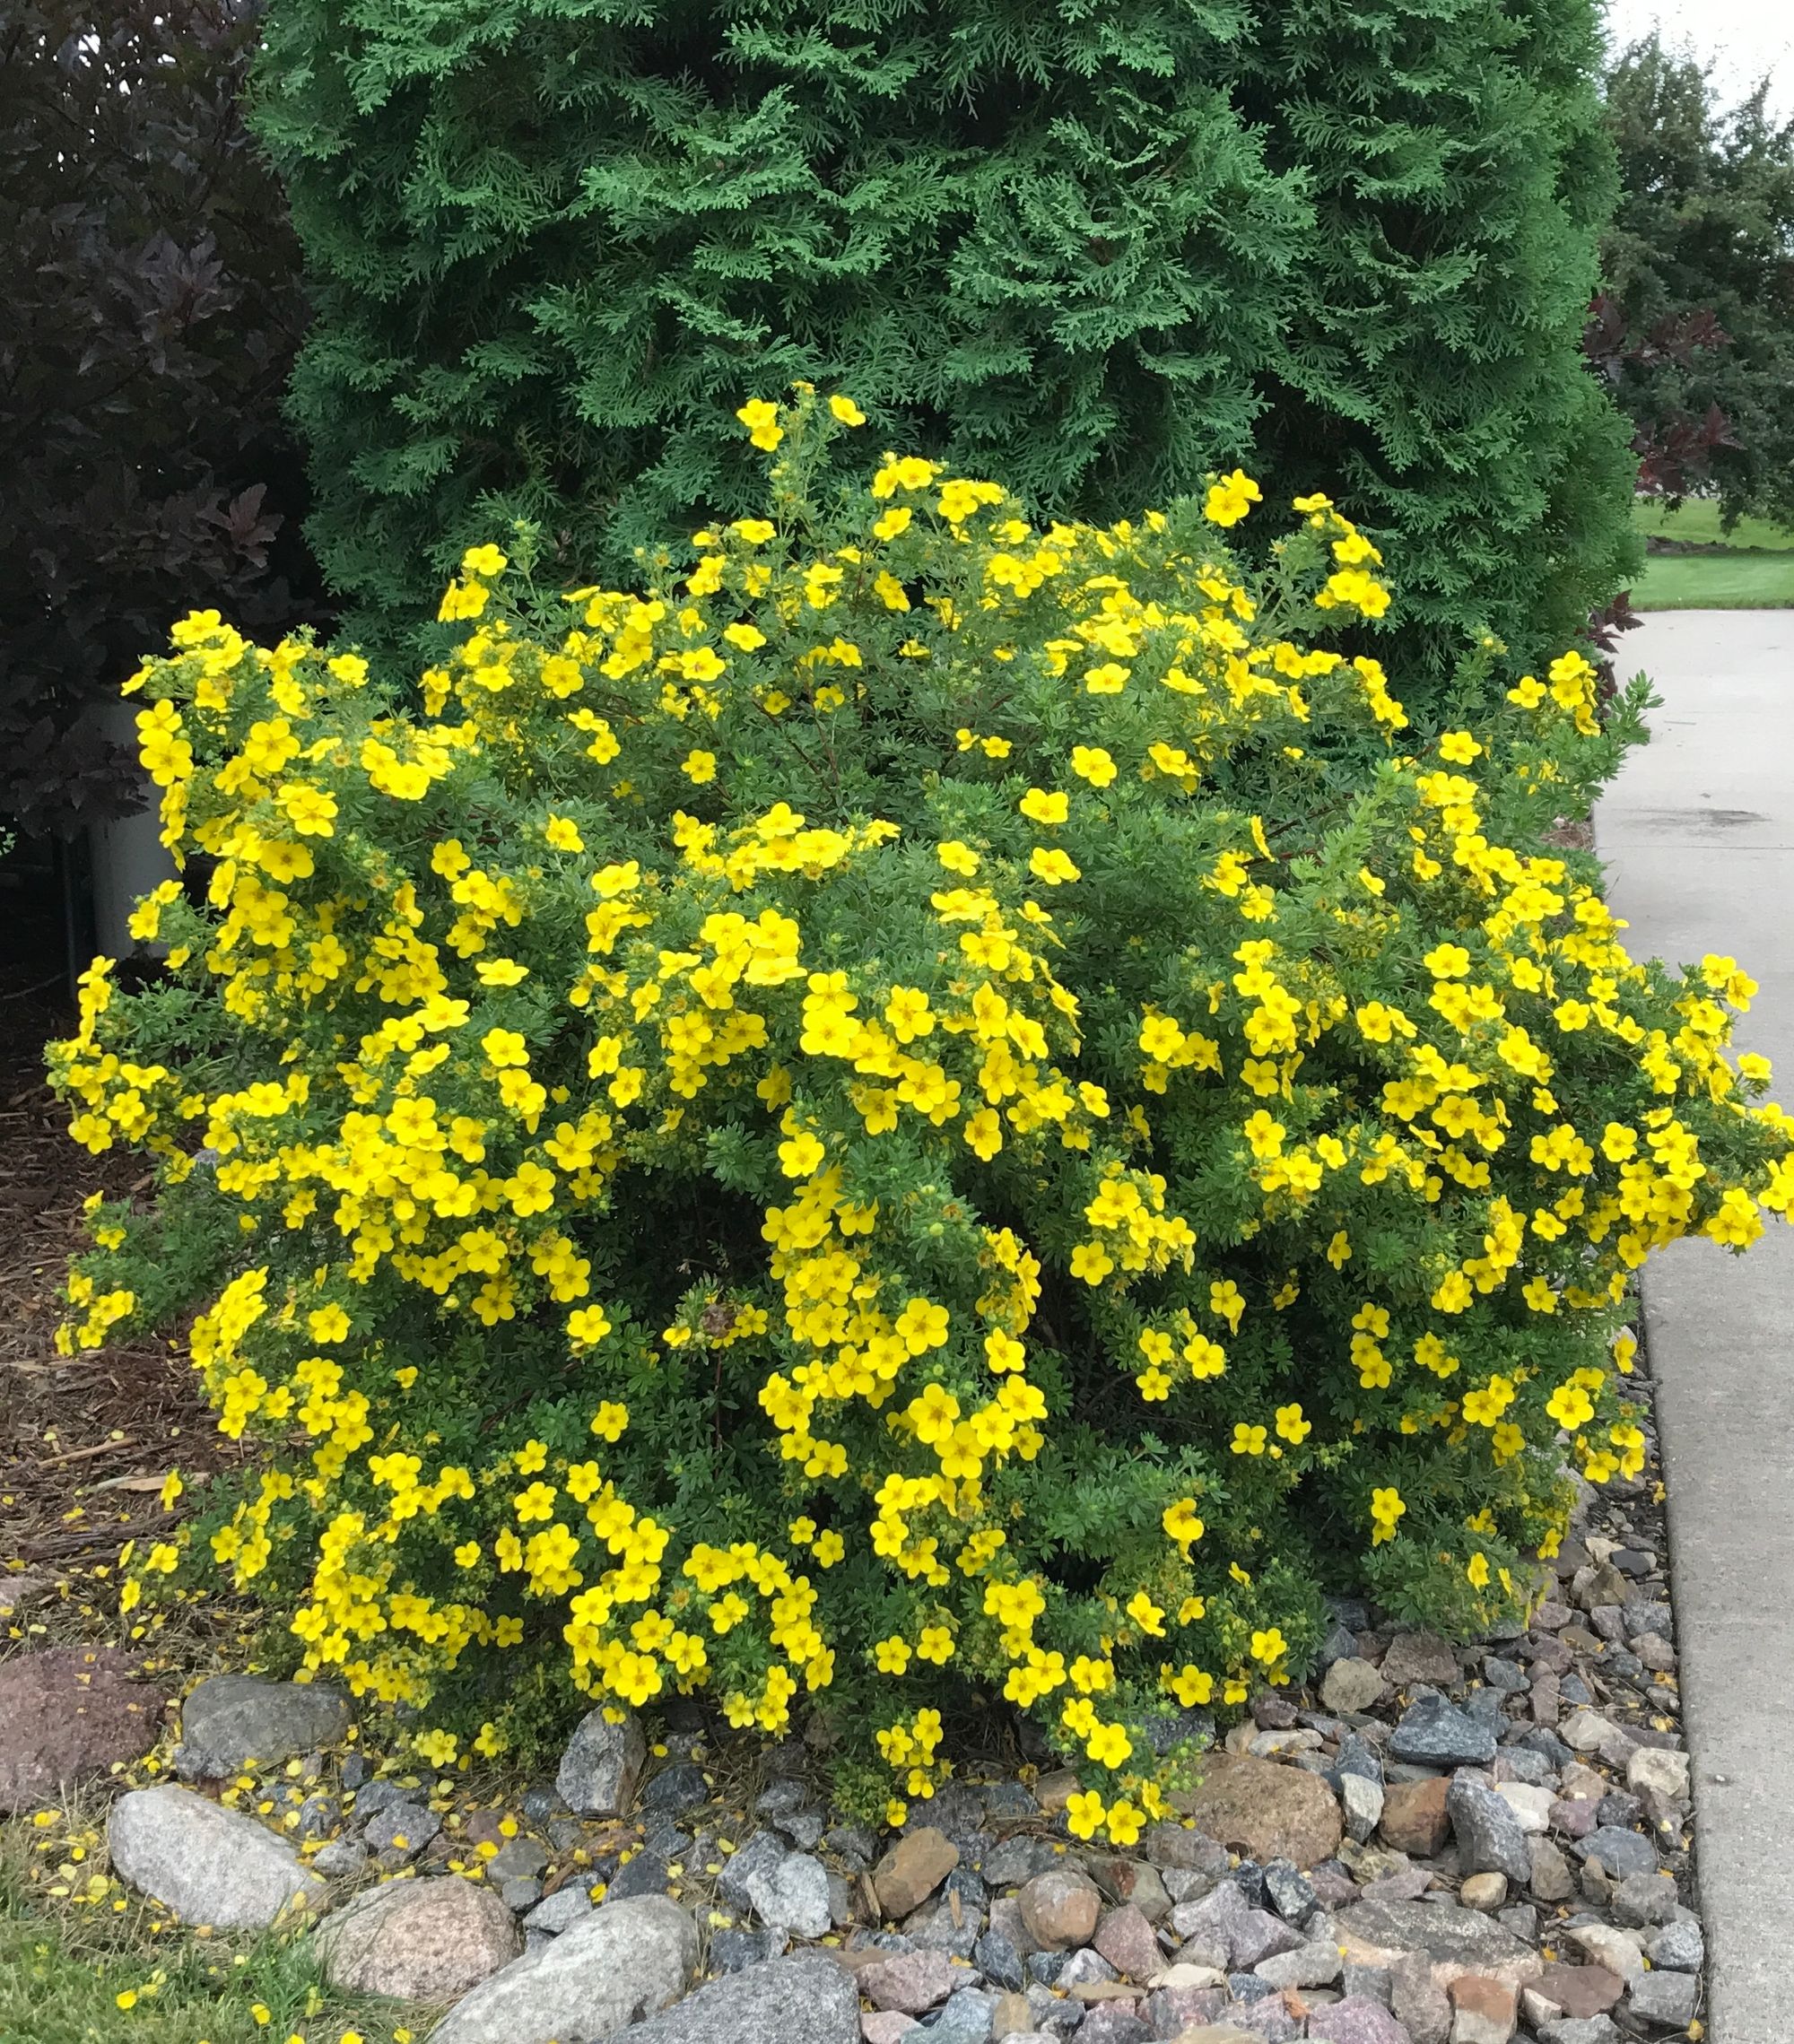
x=1745, y=40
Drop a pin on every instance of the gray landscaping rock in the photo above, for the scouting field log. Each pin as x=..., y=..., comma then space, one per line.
x=1185, y=1848
x=602, y=1764
x=1086, y=1968
x=231, y=1720
x=1420, y=1657
x=789, y=1890
x=911, y=1982
x=516, y=1860
x=1646, y=1899
x=624, y=1962
x=1419, y=2003
x=1436, y=1732
x=1357, y=2020
x=1315, y=1965
x=423, y=1941
x=1352, y=1684
x=803, y=1998
x=1588, y=2030
x=341, y=1859
x=1454, y=1941
x=1608, y=1947
x=676, y=1789
x=645, y=1875
x=935, y=1923
x=1620, y=1852
x=1287, y=1893
x=1490, y=1839
x=1663, y=1774
x=996, y=1958
x=1258, y=1936
x=1530, y=1803
x=1362, y=1800
x=561, y=1910
x=209, y=1865
x=1125, y=1939
x=735, y=1951
x=1677, y=1948
x=1667, y=1999
x=1550, y=1880
x=967, y=2019
x=402, y=1827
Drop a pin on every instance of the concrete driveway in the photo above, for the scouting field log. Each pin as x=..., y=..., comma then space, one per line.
x=1698, y=836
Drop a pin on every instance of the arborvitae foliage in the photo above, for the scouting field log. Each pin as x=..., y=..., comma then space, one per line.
x=1696, y=327
x=151, y=313
x=1100, y=248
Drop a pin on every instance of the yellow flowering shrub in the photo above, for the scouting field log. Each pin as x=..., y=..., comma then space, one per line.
x=927, y=1110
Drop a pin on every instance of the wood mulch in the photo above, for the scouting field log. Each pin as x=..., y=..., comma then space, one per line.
x=85, y=1441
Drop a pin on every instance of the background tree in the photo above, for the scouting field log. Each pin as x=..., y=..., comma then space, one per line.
x=1095, y=248
x=1695, y=329
x=147, y=329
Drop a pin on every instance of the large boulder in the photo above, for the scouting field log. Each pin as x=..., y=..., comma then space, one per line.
x=231, y=1720
x=68, y=1713
x=803, y=1999
x=419, y=1941
x=210, y=1865
x=626, y=1961
x=1265, y=1811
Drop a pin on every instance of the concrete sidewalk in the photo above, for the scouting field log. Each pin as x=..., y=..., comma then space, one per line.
x=1698, y=836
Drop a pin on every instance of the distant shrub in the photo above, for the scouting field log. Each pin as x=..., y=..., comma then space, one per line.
x=150, y=319
x=897, y=1119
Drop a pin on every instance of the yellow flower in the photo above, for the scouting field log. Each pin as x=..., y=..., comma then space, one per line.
x=563, y=834
x=1040, y=808
x=846, y=409
x=1124, y=1822
x=1291, y=1425
x=1084, y=1814
x=699, y=766
x=1054, y=867
x=761, y=420
x=1093, y=763
x=1386, y=1507
x=1230, y=499
x=610, y=1421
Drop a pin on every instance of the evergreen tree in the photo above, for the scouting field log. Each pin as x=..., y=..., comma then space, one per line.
x=1098, y=249
x=1696, y=328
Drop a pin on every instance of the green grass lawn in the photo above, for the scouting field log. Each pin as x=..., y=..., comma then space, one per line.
x=76, y=1974
x=1751, y=568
